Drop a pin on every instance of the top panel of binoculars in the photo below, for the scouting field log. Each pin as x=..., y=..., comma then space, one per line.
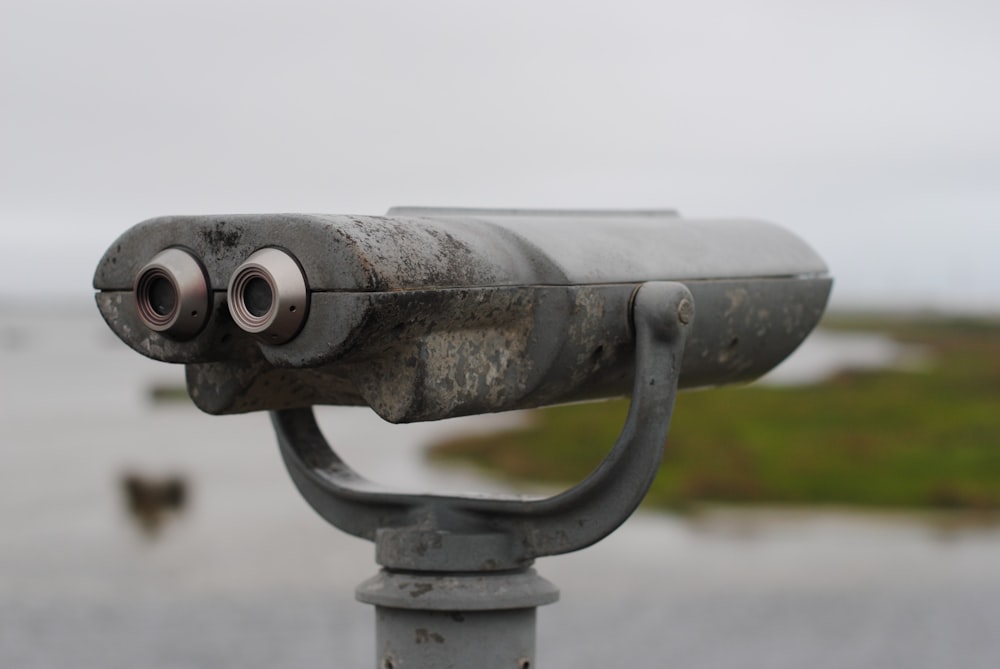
x=428, y=313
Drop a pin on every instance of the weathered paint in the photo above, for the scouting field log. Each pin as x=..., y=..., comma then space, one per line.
x=424, y=318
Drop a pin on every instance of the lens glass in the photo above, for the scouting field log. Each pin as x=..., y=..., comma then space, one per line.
x=258, y=296
x=162, y=296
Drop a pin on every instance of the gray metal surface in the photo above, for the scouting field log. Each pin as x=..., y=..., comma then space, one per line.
x=437, y=313
x=456, y=590
x=500, y=591
x=427, y=532
x=503, y=639
x=627, y=246
x=435, y=621
x=451, y=250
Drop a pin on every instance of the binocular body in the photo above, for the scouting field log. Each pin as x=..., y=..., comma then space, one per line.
x=431, y=313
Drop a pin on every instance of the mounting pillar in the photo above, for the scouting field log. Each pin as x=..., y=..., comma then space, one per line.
x=457, y=590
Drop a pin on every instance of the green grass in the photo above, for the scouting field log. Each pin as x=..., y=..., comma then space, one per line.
x=928, y=438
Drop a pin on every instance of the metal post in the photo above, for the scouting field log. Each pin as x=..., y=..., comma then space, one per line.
x=431, y=621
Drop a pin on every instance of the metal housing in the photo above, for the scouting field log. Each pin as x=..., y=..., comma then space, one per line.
x=430, y=313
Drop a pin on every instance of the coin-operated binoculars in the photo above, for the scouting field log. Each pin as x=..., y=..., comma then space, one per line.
x=425, y=314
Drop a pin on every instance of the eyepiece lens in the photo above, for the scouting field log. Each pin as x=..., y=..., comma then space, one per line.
x=171, y=294
x=162, y=296
x=268, y=296
x=258, y=296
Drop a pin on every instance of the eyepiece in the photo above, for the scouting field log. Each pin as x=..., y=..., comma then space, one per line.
x=268, y=296
x=171, y=294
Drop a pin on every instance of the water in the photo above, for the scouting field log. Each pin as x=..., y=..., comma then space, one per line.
x=825, y=354
x=248, y=576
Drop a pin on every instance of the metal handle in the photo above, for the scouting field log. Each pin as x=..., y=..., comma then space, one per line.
x=457, y=533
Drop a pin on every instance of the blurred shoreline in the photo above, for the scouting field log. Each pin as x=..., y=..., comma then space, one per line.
x=245, y=574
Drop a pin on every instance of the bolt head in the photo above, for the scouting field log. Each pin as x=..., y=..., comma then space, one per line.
x=685, y=311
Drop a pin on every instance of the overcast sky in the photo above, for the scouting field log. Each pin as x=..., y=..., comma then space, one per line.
x=871, y=128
